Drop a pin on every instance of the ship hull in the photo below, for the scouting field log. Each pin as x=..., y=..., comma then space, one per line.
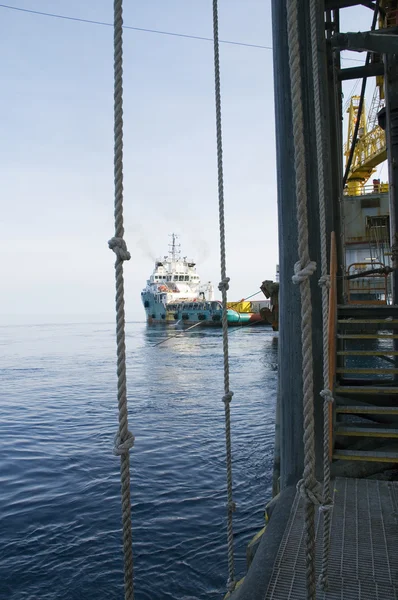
x=242, y=320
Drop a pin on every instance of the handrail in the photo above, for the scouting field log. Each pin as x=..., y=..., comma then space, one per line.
x=368, y=189
x=367, y=284
x=332, y=331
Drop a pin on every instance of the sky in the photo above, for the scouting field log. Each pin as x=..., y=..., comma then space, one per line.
x=57, y=151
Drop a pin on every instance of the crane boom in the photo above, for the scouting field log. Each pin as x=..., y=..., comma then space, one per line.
x=370, y=148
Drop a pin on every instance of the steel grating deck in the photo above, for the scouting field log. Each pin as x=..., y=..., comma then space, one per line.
x=363, y=562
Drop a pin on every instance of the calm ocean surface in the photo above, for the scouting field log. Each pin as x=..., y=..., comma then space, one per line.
x=59, y=481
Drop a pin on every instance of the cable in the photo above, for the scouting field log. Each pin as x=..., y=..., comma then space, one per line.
x=144, y=30
x=349, y=96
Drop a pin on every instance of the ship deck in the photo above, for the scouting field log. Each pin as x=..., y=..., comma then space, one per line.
x=363, y=564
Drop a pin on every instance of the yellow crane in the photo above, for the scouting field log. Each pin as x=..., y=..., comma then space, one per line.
x=370, y=148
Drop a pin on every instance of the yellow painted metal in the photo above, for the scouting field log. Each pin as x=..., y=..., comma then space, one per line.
x=252, y=546
x=242, y=306
x=370, y=149
x=352, y=111
x=376, y=457
x=370, y=188
x=256, y=537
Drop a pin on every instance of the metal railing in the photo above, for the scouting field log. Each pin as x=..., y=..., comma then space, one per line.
x=369, y=188
x=369, y=288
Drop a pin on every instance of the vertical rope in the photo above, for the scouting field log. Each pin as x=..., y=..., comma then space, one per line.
x=124, y=439
x=303, y=269
x=223, y=287
x=325, y=284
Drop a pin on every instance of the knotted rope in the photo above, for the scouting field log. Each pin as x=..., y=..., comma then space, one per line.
x=324, y=282
x=303, y=270
x=124, y=439
x=223, y=287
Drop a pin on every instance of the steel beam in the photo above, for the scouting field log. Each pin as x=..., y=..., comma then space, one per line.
x=371, y=70
x=337, y=4
x=289, y=351
x=290, y=359
x=366, y=41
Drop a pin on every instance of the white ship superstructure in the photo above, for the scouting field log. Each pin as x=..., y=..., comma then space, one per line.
x=174, y=279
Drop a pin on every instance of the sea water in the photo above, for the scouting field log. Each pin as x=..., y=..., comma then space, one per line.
x=60, y=512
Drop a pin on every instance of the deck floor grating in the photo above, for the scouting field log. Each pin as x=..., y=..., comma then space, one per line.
x=363, y=562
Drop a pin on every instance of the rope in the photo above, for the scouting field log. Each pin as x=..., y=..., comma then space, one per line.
x=324, y=282
x=223, y=287
x=124, y=439
x=308, y=486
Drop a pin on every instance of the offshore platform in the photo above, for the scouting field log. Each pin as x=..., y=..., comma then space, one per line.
x=332, y=526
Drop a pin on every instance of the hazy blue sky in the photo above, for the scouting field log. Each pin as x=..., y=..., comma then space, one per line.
x=57, y=150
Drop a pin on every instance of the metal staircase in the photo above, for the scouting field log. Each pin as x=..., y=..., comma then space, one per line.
x=366, y=385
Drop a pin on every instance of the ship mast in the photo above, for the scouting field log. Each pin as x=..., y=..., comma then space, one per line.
x=175, y=247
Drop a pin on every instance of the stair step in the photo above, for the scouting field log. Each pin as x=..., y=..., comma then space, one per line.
x=372, y=456
x=348, y=430
x=369, y=389
x=367, y=352
x=353, y=321
x=368, y=308
x=367, y=336
x=359, y=370
x=367, y=410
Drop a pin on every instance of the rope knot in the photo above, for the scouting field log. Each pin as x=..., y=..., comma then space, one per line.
x=227, y=397
x=312, y=492
x=231, y=583
x=324, y=281
x=224, y=284
x=327, y=395
x=303, y=273
x=323, y=582
x=123, y=447
x=231, y=506
x=118, y=245
x=326, y=505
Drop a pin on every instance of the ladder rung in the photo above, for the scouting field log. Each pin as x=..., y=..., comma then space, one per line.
x=366, y=431
x=367, y=336
x=381, y=371
x=372, y=456
x=370, y=307
x=367, y=352
x=369, y=389
x=354, y=321
x=367, y=410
